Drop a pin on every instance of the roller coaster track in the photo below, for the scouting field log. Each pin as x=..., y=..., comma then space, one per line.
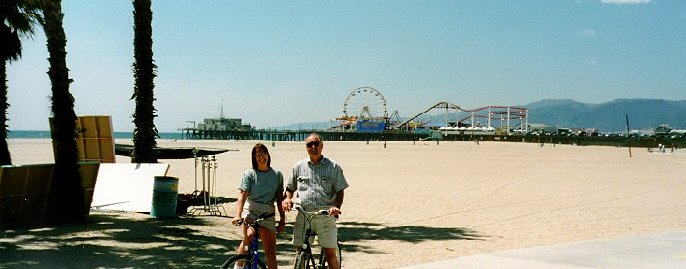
x=444, y=105
x=510, y=112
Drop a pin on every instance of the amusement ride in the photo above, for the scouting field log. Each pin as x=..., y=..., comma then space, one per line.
x=365, y=110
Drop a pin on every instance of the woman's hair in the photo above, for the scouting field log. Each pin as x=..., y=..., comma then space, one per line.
x=264, y=149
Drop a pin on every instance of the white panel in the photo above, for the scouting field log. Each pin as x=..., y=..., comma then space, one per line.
x=126, y=186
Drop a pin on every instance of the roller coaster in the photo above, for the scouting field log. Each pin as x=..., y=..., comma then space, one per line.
x=507, y=116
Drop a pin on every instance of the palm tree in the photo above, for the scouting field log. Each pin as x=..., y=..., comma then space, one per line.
x=17, y=19
x=66, y=201
x=144, y=133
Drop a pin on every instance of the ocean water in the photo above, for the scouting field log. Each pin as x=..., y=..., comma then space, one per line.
x=29, y=134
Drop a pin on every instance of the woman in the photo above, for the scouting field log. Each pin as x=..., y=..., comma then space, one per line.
x=260, y=188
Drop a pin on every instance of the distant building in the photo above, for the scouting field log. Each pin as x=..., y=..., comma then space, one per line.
x=662, y=130
x=547, y=130
x=223, y=124
x=369, y=126
x=667, y=131
x=585, y=131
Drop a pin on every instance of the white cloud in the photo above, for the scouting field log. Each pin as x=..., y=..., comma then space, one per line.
x=592, y=62
x=587, y=33
x=621, y=2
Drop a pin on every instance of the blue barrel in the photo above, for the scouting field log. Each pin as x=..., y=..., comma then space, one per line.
x=164, y=196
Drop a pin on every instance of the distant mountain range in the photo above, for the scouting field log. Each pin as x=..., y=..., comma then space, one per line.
x=567, y=113
x=609, y=116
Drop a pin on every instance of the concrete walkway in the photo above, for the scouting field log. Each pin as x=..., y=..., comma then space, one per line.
x=665, y=250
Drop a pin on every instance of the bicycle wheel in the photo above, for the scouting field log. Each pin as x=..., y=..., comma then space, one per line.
x=246, y=259
x=304, y=260
x=324, y=264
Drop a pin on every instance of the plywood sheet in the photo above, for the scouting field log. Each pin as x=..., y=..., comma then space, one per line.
x=126, y=186
x=25, y=189
x=25, y=179
x=94, y=138
x=23, y=193
x=89, y=175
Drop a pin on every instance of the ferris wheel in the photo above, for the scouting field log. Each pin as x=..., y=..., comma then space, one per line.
x=365, y=103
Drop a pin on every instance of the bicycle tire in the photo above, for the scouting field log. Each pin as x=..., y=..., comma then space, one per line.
x=325, y=264
x=304, y=260
x=247, y=258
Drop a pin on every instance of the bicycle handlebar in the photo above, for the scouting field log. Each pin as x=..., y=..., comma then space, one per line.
x=243, y=222
x=254, y=222
x=320, y=212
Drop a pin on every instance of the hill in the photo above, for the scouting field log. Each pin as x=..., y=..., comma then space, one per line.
x=609, y=116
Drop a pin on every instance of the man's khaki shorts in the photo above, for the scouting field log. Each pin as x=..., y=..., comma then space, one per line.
x=324, y=226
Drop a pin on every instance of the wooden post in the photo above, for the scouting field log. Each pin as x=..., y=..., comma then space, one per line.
x=628, y=138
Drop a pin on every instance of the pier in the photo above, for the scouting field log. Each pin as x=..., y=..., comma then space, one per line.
x=298, y=135
x=397, y=135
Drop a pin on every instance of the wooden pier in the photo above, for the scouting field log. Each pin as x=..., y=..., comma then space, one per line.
x=300, y=135
x=397, y=135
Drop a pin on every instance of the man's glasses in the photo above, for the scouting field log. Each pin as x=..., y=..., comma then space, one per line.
x=313, y=144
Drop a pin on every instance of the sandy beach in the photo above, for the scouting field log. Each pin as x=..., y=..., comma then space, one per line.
x=408, y=203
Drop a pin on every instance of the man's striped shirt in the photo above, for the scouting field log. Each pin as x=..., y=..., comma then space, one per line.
x=316, y=185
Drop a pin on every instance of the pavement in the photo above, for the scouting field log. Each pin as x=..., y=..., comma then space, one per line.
x=664, y=250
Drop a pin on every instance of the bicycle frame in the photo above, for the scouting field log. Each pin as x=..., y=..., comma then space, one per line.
x=251, y=257
x=307, y=245
x=254, y=246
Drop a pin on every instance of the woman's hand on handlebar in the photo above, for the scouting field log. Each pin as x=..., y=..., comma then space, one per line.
x=237, y=220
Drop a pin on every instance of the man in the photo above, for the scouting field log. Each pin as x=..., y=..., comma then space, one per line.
x=319, y=184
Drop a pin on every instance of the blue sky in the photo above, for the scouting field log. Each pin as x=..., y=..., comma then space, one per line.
x=276, y=63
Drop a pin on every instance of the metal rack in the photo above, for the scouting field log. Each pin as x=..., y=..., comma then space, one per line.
x=208, y=174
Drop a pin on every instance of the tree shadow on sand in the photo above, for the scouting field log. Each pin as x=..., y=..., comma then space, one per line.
x=350, y=232
x=113, y=241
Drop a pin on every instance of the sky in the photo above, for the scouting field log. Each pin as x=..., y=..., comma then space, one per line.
x=275, y=63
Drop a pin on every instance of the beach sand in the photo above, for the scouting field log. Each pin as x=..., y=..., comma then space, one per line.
x=408, y=203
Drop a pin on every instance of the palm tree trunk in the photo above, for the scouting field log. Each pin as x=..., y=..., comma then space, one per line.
x=144, y=133
x=5, y=158
x=8, y=51
x=66, y=200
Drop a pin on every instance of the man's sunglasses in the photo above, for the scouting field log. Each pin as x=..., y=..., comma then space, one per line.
x=313, y=143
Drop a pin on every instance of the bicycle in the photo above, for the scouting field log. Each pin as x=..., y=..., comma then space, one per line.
x=251, y=259
x=305, y=259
